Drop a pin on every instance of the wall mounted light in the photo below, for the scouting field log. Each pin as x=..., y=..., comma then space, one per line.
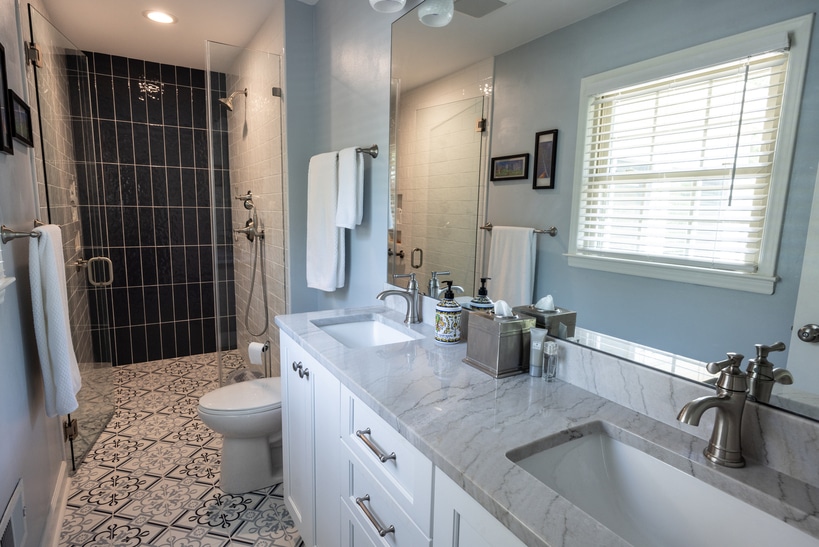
x=160, y=17
x=436, y=13
x=387, y=6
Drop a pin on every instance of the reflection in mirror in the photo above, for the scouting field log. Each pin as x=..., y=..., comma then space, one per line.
x=540, y=81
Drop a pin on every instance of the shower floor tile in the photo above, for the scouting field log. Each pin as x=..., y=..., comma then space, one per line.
x=152, y=477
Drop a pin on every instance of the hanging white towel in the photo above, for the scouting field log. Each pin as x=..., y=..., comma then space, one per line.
x=49, y=303
x=512, y=264
x=350, y=208
x=325, y=241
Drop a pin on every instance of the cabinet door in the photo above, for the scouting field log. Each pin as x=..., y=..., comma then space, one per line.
x=460, y=521
x=297, y=440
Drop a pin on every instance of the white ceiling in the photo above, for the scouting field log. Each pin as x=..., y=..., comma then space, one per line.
x=119, y=28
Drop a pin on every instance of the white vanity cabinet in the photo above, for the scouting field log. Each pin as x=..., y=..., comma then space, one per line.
x=460, y=521
x=310, y=429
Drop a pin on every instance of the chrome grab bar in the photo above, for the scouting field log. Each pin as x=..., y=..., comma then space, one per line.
x=380, y=529
x=378, y=454
x=90, y=271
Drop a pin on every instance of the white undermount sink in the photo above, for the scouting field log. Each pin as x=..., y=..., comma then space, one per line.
x=644, y=500
x=365, y=330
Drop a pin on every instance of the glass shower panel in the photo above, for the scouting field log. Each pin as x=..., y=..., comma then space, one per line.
x=66, y=178
x=438, y=192
x=245, y=131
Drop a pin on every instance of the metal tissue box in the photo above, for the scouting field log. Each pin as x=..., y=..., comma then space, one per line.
x=556, y=321
x=499, y=346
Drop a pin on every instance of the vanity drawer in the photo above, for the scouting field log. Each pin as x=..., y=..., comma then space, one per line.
x=407, y=476
x=372, y=508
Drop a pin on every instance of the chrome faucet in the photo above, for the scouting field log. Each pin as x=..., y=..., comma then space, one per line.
x=411, y=295
x=762, y=375
x=725, y=447
x=434, y=287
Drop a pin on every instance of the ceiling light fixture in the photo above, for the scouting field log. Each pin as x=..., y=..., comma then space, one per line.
x=387, y=6
x=159, y=17
x=436, y=13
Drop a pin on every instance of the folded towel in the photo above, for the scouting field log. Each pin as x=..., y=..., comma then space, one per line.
x=350, y=207
x=325, y=241
x=49, y=303
x=512, y=264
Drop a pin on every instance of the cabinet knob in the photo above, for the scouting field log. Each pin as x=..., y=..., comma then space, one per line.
x=304, y=372
x=296, y=366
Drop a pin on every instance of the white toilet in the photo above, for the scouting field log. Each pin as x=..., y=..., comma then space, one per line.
x=249, y=417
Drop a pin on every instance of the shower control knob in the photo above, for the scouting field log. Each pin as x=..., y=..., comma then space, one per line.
x=809, y=333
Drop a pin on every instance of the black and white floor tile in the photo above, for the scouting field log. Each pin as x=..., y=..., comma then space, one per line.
x=152, y=476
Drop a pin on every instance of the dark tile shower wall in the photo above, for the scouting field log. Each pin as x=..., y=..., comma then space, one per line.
x=150, y=124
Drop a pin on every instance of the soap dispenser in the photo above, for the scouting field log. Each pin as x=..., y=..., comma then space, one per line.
x=482, y=301
x=448, y=318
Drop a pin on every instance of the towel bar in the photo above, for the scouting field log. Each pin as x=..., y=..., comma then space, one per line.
x=8, y=234
x=372, y=150
x=552, y=231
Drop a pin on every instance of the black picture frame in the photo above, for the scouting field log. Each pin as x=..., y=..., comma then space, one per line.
x=6, y=144
x=20, y=119
x=545, y=160
x=513, y=167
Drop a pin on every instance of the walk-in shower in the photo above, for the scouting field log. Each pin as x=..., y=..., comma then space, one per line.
x=228, y=101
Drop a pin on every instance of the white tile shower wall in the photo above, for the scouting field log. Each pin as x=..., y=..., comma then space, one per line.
x=58, y=204
x=255, y=136
x=439, y=172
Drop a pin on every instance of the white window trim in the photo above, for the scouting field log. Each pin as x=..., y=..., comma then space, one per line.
x=712, y=53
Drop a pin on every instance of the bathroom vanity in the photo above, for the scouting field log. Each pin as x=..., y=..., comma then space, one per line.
x=404, y=444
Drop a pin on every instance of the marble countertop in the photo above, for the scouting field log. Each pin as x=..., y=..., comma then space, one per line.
x=465, y=422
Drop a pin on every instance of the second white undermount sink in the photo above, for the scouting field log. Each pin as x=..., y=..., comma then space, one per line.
x=365, y=330
x=644, y=500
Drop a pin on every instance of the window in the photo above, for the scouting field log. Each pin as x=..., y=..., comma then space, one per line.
x=682, y=171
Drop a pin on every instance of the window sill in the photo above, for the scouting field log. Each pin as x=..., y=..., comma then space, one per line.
x=755, y=283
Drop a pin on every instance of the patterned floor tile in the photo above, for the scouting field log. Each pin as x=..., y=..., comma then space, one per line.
x=152, y=476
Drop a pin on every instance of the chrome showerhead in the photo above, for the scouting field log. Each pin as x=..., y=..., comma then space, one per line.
x=228, y=101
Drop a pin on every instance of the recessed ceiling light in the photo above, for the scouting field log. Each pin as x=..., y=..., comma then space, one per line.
x=160, y=17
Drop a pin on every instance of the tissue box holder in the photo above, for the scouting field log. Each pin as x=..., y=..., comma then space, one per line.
x=550, y=319
x=498, y=346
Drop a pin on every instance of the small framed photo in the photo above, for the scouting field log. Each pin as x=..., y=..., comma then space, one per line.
x=510, y=167
x=20, y=119
x=5, y=123
x=545, y=159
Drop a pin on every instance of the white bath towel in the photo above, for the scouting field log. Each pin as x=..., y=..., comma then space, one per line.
x=512, y=265
x=350, y=207
x=49, y=303
x=325, y=241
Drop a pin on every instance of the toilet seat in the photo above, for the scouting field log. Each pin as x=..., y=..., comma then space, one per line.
x=249, y=397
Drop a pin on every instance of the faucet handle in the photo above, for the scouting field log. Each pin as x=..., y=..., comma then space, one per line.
x=413, y=284
x=762, y=350
x=731, y=378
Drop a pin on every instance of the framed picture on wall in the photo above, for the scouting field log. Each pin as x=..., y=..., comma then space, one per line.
x=20, y=119
x=5, y=117
x=545, y=159
x=510, y=167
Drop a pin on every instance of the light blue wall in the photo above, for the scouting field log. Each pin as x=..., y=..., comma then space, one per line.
x=31, y=446
x=537, y=88
x=352, y=91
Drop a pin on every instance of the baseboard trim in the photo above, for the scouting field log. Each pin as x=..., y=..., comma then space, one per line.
x=56, y=511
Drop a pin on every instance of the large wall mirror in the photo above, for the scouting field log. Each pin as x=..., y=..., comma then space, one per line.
x=519, y=66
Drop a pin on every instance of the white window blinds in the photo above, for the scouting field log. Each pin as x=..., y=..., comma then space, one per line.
x=678, y=170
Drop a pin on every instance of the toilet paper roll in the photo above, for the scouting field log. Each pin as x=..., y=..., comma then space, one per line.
x=255, y=351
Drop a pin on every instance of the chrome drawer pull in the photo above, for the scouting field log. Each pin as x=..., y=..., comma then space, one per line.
x=378, y=454
x=381, y=531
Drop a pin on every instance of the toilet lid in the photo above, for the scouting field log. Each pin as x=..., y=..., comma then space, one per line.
x=255, y=395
